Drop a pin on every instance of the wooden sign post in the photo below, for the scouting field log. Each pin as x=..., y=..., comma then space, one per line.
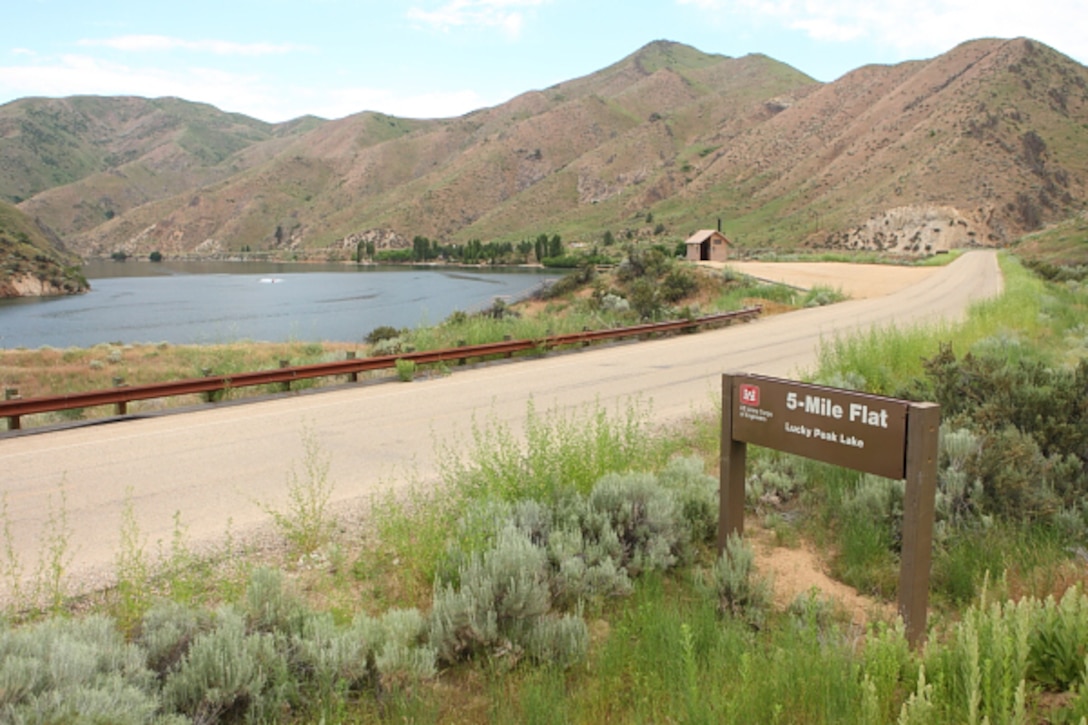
x=883, y=436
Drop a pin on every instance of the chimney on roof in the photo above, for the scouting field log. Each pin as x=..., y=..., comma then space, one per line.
x=719, y=225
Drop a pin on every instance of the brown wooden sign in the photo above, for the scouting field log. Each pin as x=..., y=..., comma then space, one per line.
x=864, y=432
x=884, y=436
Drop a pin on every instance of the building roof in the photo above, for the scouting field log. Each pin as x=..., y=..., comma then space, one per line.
x=702, y=235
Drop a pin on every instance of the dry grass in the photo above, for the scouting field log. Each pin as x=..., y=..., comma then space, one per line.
x=51, y=371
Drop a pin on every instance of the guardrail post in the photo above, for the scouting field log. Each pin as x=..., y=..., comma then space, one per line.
x=585, y=343
x=284, y=364
x=461, y=360
x=209, y=396
x=508, y=338
x=13, y=420
x=353, y=377
x=122, y=405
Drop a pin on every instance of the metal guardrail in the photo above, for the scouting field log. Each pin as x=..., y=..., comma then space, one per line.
x=120, y=397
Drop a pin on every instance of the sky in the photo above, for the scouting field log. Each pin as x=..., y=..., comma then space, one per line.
x=280, y=59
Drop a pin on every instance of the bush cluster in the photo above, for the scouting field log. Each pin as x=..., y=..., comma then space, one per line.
x=1028, y=424
x=1058, y=272
x=259, y=660
x=511, y=584
x=511, y=588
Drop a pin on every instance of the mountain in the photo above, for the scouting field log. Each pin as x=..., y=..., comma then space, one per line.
x=31, y=263
x=976, y=146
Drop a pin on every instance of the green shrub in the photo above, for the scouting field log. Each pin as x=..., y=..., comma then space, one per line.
x=959, y=493
x=821, y=296
x=495, y=602
x=166, y=632
x=78, y=670
x=586, y=570
x=382, y=332
x=334, y=660
x=403, y=658
x=269, y=605
x=1049, y=404
x=738, y=592
x=1018, y=481
x=406, y=370
x=391, y=346
x=679, y=282
x=645, y=298
x=772, y=479
x=696, y=495
x=1059, y=642
x=229, y=674
x=644, y=519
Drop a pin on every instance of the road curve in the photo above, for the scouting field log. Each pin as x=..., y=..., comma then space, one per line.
x=213, y=466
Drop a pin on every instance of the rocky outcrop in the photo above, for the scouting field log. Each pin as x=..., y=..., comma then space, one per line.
x=913, y=230
x=30, y=285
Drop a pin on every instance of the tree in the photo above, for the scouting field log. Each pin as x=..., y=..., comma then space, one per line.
x=555, y=246
x=155, y=256
x=421, y=249
x=609, y=240
x=524, y=247
x=644, y=298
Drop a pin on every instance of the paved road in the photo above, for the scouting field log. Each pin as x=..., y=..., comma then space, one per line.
x=213, y=465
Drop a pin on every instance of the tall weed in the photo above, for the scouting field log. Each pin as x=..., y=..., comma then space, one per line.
x=133, y=569
x=557, y=451
x=308, y=522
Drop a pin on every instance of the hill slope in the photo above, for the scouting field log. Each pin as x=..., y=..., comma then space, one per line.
x=977, y=146
x=31, y=264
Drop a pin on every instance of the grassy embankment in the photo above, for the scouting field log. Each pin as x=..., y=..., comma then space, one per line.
x=539, y=592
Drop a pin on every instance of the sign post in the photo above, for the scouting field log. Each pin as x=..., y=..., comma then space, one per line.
x=874, y=434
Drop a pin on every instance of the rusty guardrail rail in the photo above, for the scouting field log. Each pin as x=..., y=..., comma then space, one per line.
x=15, y=409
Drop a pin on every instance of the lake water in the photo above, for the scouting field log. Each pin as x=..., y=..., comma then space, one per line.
x=209, y=302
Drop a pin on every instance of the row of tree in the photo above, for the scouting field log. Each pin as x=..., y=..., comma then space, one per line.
x=472, y=252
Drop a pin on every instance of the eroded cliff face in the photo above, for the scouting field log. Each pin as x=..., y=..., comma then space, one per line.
x=31, y=285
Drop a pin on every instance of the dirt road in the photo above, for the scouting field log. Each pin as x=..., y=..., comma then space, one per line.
x=856, y=281
x=213, y=466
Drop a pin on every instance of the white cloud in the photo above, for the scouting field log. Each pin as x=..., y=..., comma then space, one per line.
x=505, y=15
x=250, y=94
x=143, y=43
x=85, y=75
x=917, y=27
x=340, y=102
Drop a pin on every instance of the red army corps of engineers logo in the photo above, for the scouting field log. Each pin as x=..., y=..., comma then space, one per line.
x=749, y=395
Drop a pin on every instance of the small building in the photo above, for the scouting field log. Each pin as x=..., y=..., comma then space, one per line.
x=707, y=245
